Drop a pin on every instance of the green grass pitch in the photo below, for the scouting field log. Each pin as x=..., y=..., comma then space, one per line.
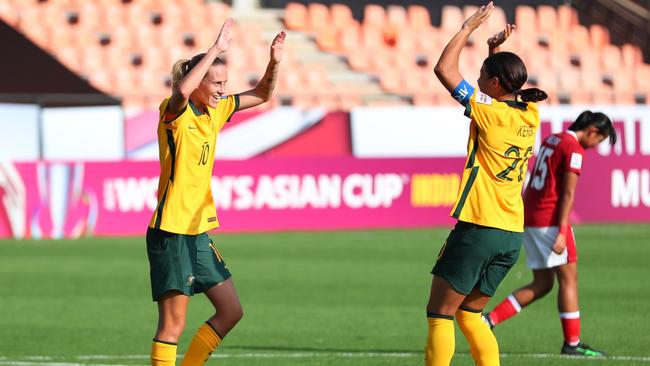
x=325, y=298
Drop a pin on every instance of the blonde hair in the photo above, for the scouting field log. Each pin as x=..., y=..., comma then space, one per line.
x=182, y=67
x=179, y=70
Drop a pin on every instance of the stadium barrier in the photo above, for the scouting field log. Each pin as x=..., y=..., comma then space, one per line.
x=58, y=199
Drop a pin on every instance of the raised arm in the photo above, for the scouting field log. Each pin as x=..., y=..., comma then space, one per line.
x=569, y=184
x=497, y=40
x=263, y=91
x=181, y=93
x=447, y=67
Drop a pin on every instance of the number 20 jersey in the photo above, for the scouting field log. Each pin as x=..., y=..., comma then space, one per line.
x=558, y=154
x=186, y=148
x=501, y=140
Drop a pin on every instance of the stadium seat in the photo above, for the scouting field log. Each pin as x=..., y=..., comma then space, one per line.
x=349, y=38
x=8, y=15
x=397, y=16
x=327, y=39
x=570, y=80
x=604, y=97
x=631, y=56
x=599, y=36
x=419, y=18
x=295, y=16
x=359, y=59
x=611, y=57
x=526, y=21
x=547, y=19
x=391, y=81
x=581, y=97
x=567, y=17
x=374, y=15
x=341, y=15
x=451, y=18
x=624, y=98
x=373, y=37
x=319, y=17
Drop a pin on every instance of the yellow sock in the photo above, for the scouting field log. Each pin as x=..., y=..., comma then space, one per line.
x=482, y=343
x=163, y=354
x=205, y=341
x=440, y=342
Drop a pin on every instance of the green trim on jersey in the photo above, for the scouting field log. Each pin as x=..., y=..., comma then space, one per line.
x=472, y=155
x=236, y=97
x=160, y=208
x=468, y=187
x=196, y=111
x=172, y=151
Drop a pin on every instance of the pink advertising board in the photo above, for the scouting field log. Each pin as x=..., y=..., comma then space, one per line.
x=56, y=199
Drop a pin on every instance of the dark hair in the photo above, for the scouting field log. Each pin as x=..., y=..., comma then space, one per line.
x=512, y=74
x=182, y=67
x=599, y=120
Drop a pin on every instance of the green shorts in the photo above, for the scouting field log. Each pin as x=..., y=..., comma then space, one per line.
x=186, y=263
x=478, y=257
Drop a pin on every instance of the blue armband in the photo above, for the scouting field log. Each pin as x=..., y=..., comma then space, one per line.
x=463, y=92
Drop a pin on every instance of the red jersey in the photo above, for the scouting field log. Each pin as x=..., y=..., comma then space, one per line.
x=558, y=154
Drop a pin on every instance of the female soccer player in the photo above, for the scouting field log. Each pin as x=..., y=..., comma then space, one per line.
x=182, y=258
x=548, y=239
x=486, y=241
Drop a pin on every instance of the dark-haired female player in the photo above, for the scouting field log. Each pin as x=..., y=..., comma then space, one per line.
x=548, y=239
x=486, y=241
x=183, y=259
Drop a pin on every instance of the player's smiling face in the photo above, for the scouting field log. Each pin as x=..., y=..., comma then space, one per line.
x=213, y=85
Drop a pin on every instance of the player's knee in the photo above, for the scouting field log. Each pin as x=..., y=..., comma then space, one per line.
x=236, y=314
x=171, y=331
x=544, y=288
x=232, y=315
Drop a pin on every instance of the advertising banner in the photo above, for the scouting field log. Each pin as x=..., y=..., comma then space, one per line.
x=75, y=199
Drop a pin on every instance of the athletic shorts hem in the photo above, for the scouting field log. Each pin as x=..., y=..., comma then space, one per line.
x=450, y=282
x=215, y=283
x=157, y=297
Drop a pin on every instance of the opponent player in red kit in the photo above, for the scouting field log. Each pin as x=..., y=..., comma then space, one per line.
x=548, y=238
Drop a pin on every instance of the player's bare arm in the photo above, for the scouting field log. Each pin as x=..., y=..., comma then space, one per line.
x=181, y=94
x=570, y=182
x=263, y=91
x=447, y=69
x=495, y=42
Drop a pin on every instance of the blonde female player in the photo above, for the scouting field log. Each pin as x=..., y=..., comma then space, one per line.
x=486, y=241
x=183, y=259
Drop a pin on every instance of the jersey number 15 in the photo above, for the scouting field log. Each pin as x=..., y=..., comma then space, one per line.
x=541, y=168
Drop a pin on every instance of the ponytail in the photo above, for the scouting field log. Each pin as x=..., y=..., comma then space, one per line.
x=182, y=67
x=598, y=120
x=532, y=95
x=179, y=70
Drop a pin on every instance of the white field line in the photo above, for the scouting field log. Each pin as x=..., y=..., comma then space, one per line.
x=50, y=361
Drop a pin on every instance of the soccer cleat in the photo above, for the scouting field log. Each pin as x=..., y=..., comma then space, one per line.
x=581, y=349
x=486, y=319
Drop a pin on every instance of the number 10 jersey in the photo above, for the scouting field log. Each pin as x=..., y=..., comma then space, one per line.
x=186, y=148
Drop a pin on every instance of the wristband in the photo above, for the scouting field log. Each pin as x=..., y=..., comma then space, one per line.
x=564, y=229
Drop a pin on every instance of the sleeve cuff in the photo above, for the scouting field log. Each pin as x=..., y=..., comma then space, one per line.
x=236, y=98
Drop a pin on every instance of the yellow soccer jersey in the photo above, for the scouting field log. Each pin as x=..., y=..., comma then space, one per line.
x=186, y=148
x=501, y=139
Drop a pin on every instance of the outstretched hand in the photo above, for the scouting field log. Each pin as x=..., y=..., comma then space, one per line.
x=224, y=40
x=479, y=17
x=277, y=47
x=498, y=39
